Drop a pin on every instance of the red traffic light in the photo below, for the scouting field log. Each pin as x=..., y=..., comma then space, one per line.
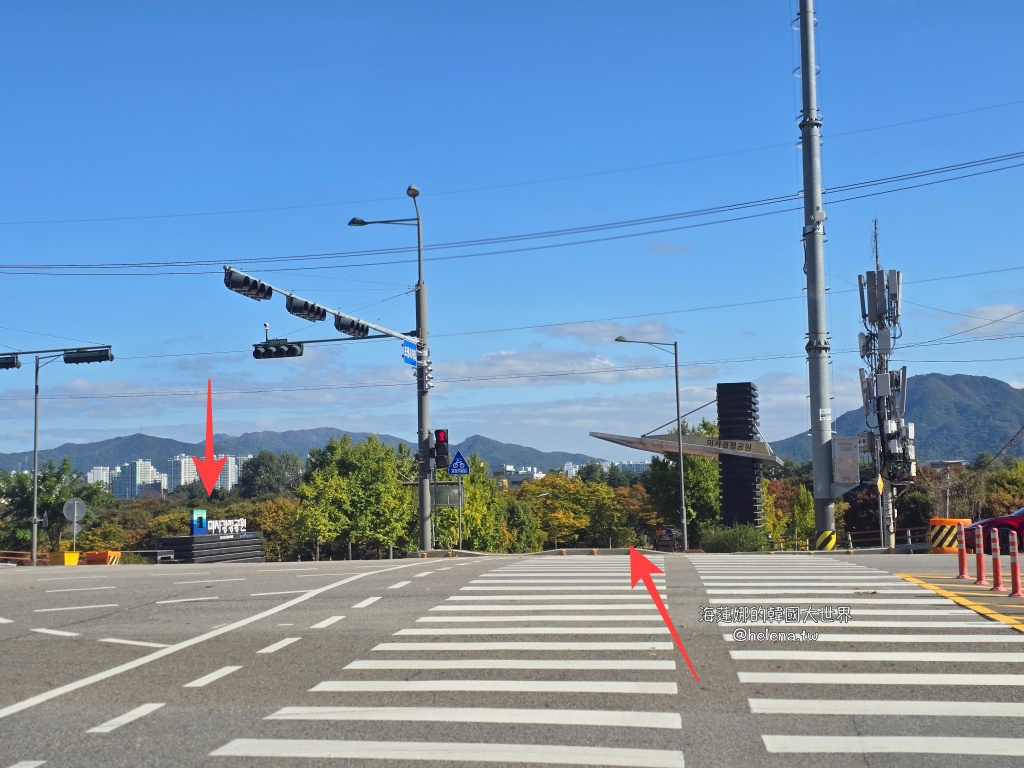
x=441, y=435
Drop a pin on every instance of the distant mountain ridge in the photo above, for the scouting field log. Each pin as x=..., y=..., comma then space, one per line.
x=955, y=417
x=118, y=450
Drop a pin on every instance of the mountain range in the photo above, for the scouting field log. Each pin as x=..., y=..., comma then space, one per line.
x=119, y=450
x=955, y=417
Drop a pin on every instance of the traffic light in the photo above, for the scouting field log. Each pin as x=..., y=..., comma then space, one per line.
x=247, y=286
x=307, y=310
x=88, y=355
x=9, y=361
x=277, y=348
x=428, y=375
x=441, y=446
x=351, y=326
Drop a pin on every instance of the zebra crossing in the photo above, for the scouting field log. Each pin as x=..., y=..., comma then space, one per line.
x=545, y=660
x=914, y=691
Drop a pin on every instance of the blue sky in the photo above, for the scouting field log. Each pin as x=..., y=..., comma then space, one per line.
x=147, y=144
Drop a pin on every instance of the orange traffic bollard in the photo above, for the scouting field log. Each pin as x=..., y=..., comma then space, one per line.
x=961, y=551
x=979, y=555
x=1014, y=567
x=997, y=568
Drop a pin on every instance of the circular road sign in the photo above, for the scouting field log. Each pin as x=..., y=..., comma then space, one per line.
x=74, y=509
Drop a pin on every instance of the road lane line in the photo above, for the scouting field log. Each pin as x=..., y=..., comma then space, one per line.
x=284, y=570
x=78, y=589
x=421, y=575
x=931, y=656
x=587, y=582
x=503, y=686
x=287, y=592
x=209, y=581
x=29, y=764
x=53, y=693
x=327, y=622
x=273, y=647
x=366, y=602
x=616, y=664
x=812, y=591
x=644, y=606
x=937, y=639
x=438, y=631
x=600, y=586
x=399, y=585
x=199, y=682
x=590, y=717
x=855, y=623
x=527, y=646
x=74, y=608
x=133, y=642
x=71, y=578
x=843, y=601
x=885, y=707
x=871, y=678
x=186, y=600
x=176, y=574
x=974, y=606
x=906, y=745
x=447, y=752
x=588, y=617
x=58, y=632
x=6, y=621
x=126, y=718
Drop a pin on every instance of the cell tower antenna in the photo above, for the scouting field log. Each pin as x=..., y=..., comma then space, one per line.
x=874, y=246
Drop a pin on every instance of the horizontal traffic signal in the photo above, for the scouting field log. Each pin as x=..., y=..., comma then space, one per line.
x=277, y=348
x=88, y=355
x=247, y=286
x=9, y=361
x=351, y=326
x=307, y=310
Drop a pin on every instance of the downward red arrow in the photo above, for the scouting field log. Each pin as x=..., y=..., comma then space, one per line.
x=642, y=568
x=209, y=468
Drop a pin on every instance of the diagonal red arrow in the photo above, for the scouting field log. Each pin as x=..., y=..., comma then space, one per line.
x=209, y=468
x=642, y=568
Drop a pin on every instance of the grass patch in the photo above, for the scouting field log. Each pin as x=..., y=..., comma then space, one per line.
x=734, y=538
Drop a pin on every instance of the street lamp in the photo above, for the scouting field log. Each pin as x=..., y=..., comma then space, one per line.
x=679, y=427
x=422, y=386
x=71, y=356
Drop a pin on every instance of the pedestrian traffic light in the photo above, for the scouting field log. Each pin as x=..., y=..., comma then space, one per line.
x=88, y=355
x=307, y=310
x=277, y=348
x=9, y=361
x=247, y=286
x=441, y=446
x=351, y=326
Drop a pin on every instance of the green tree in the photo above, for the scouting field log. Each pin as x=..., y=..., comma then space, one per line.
x=616, y=478
x=701, y=478
x=521, y=530
x=269, y=474
x=381, y=506
x=556, y=502
x=322, y=513
x=591, y=472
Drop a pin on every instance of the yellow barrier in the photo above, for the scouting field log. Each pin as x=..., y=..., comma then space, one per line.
x=943, y=534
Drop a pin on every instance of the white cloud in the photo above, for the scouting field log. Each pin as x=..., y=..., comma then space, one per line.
x=1008, y=317
x=604, y=332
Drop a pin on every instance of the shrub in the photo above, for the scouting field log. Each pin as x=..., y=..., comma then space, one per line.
x=735, y=538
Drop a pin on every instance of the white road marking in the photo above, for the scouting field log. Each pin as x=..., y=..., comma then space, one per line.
x=199, y=682
x=133, y=642
x=176, y=574
x=74, y=608
x=844, y=601
x=555, y=589
x=186, y=600
x=58, y=632
x=447, y=752
x=71, y=578
x=327, y=622
x=871, y=678
x=527, y=646
x=619, y=664
x=29, y=764
x=855, y=623
x=932, y=656
x=920, y=745
x=208, y=581
x=288, y=592
x=590, y=617
x=6, y=621
x=644, y=606
x=885, y=707
x=78, y=589
x=642, y=593
x=815, y=591
x=446, y=568
x=1012, y=637
x=438, y=631
x=279, y=645
x=524, y=686
x=126, y=718
x=590, y=717
x=399, y=585
x=366, y=602
x=588, y=582
x=860, y=584
x=421, y=575
x=285, y=570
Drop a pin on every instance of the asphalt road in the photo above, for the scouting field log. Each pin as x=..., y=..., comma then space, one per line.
x=531, y=660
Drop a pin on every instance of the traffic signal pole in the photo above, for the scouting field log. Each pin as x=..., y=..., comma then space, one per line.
x=422, y=388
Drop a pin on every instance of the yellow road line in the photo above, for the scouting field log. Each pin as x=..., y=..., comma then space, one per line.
x=974, y=606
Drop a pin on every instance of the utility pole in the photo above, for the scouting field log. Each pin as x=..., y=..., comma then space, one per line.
x=885, y=392
x=814, y=267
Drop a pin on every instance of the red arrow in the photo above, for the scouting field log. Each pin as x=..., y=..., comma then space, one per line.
x=209, y=468
x=642, y=568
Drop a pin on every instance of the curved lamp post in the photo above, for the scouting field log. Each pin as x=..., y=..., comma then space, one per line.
x=679, y=427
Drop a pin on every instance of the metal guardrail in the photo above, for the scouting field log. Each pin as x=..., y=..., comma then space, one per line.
x=906, y=540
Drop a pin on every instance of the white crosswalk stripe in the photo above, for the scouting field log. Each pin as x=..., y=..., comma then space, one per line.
x=747, y=592
x=548, y=633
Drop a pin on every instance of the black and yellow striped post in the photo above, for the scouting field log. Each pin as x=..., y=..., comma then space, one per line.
x=943, y=534
x=825, y=541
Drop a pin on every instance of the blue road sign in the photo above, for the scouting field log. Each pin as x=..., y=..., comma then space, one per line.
x=409, y=353
x=459, y=465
